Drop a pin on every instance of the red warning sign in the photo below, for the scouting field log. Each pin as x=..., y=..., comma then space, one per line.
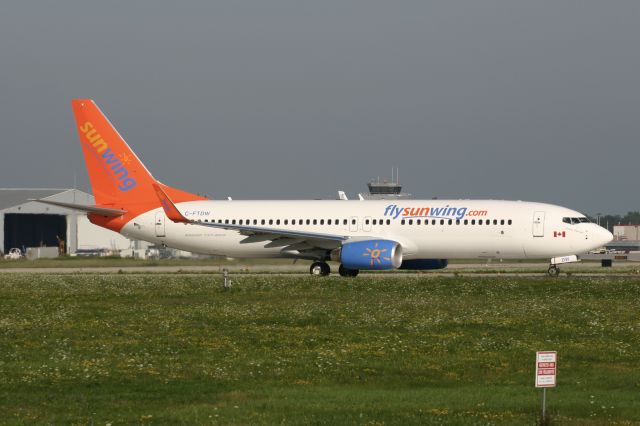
x=546, y=367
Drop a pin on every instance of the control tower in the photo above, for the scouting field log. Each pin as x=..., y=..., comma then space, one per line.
x=386, y=189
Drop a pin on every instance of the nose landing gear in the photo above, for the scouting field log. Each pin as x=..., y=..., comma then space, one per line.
x=553, y=271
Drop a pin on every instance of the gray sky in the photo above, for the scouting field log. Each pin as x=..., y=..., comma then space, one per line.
x=534, y=100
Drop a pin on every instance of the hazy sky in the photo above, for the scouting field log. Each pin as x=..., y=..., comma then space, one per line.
x=534, y=100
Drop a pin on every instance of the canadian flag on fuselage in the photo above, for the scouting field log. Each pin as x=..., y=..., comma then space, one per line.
x=118, y=177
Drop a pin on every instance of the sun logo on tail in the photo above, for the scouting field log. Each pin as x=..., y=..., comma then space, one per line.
x=124, y=158
x=375, y=255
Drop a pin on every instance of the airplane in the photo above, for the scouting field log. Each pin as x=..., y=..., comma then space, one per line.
x=359, y=234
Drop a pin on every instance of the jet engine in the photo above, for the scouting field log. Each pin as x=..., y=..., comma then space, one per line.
x=369, y=254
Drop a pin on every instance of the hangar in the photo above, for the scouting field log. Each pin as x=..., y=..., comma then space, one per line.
x=25, y=223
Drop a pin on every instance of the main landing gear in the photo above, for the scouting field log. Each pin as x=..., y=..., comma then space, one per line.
x=320, y=268
x=346, y=272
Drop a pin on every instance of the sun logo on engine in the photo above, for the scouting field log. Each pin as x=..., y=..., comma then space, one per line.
x=375, y=255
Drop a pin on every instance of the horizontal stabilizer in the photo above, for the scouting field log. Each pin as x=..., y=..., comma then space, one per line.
x=103, y=211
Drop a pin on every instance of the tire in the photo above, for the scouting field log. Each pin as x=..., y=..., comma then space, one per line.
x=320, y=269
x=346, y=272
x=553, y=271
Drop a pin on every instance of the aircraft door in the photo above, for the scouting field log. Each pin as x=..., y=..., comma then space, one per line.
x=160, y=231
x=538, y=224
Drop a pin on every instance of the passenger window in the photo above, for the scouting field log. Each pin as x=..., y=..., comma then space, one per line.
x=366, y=221
x=509, y=222
x=262, y=221
x=321, y=221
x=441, y=221
x=286, y=221
x=375, y=221
x=226, y=221
x=240, y=222
x=402, y=222
x=479, y=221
x=308, y=221
x=270, y=221
x=410, y=221
x=418, y=222
x=457, y=221
x=450, y=221
x=344, y=221
x=466, y=221
x=388, y=221
x=293, y=221
x=501, y=221
x=329, y=222
x=255, y=221
x=433, y=221
x=353, y=221
x=473, y=221
x=233, y=222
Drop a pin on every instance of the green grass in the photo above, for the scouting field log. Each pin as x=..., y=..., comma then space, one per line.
x=178, y=349
x=91, y=262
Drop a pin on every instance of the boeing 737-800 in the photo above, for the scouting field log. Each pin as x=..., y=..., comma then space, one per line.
x=359, y=234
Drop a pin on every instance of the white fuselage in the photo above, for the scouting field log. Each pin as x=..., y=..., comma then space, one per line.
x=426, y=229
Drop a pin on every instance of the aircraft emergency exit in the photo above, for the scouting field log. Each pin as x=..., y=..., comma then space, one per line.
x=359, y=234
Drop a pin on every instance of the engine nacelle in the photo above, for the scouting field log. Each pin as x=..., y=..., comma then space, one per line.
x=424, y=264
x=370, y=254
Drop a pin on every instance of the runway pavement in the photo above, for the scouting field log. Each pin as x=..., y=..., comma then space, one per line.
x=467, y=269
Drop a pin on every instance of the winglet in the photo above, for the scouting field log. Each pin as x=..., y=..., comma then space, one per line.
x=169, y=208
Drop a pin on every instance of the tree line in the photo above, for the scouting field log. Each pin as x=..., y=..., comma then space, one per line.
x=609, y=220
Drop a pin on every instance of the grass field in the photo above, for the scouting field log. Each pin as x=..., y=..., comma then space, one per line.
x=178, y=349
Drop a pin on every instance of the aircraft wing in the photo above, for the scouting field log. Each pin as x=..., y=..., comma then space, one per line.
x=307, y=244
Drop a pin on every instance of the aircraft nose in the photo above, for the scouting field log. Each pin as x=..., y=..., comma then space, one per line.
x=604, y=236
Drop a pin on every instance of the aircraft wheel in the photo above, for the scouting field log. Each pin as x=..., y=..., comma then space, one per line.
x=553, y=271
x=346, y=272
x=320, y=269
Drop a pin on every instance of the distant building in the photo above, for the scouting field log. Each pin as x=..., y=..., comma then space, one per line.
x=25, y=223
x=626, y=232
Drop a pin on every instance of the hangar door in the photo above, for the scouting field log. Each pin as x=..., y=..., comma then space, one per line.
x=33, y=230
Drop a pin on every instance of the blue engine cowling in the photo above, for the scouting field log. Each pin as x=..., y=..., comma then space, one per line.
x=424, y=264
x=371, y=254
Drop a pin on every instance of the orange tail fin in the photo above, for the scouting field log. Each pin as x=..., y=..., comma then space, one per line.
x=118, y=177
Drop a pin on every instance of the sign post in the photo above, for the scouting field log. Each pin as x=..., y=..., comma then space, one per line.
x=546, y=367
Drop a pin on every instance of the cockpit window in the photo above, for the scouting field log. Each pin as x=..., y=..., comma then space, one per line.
x=575, y=220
